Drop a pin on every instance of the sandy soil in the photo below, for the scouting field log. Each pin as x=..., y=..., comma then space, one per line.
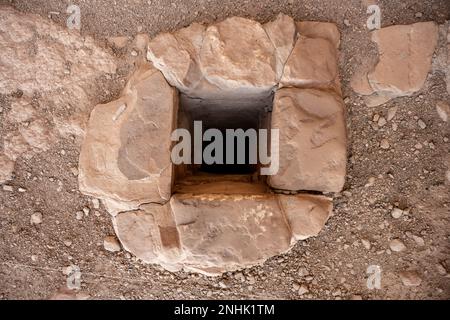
x=332, y=265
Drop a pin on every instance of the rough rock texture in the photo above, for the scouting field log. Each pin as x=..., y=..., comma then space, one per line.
x=316, y=29
x=312, y=63
x=238, y=55
x=306, y=214
x=232, y=57
x=312, y=140
x=176, y=56
x=313, y=60
x=125, y=158
x=405, y=54
x=447, y=69
x=6, y=168
x=212, y=234
x=47, y=66
x=126, y=152
x=283, y=33
x=405, y=57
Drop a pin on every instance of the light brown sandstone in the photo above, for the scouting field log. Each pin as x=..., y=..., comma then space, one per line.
x=216, y=225
x=405, y=54
x=237, y=54
x=317, y=29
x=214, y=233
x=282, y=33
x=6, y=168
x=312, y=63
x=312, y=140
x=405, y=57
x=306, y=214
x=126, y=152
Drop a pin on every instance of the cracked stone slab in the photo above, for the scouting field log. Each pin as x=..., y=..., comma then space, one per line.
x=212, y=234
x=283, y=33
x=313, y=141
x=125, y=156
x=232, y=57
x=6, y=168
x=405, y=54
x=312, y=63
x=317, y=29
x=306, y=214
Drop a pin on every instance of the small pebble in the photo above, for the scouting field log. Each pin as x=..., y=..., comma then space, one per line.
x=8, y=188
x=419, y=240
x=397, y=245
x=36, y=218
x=410, y=278
x=366, y=244
x=441, y=269
x=382, y=121
x=421, y=124
x=376, y=117
x=396, y=213
x=79, y=215
x=384, y=144
x=443, y=110
x=96, y=203
x=391, y=113
x=67, y=243
x=110, y=243
x=303, y=289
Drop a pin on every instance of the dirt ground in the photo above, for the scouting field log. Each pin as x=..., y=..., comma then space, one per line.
x=334, y=264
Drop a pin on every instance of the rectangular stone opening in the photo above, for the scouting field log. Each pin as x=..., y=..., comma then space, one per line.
x=222, y=114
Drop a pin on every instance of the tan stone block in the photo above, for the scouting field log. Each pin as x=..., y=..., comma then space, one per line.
x=176, y=56
x=215, y=233
x=317, y=29
x=312, y=140
x=306, y=214
x=126, y=152
x=312, y=63
x=150, y=235
x=237, y=53
x=282, y=32
x=405, y=53
x=229, y=231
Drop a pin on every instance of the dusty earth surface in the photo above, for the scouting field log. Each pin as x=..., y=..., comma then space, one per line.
x=410, y=175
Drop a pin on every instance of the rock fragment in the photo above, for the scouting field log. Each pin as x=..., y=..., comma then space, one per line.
x=6, y=168
x=126, y=157
x=405, y=55
x=410, y=278
x=110, y=243
x=214, y=233
x=443, y=110
x=36, y=218
x=312, y=140
x=397, y=245
x=396, y=213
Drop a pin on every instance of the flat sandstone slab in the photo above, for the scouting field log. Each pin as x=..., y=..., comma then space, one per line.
x=125, y=156
x=313, y=140
x=215, y=233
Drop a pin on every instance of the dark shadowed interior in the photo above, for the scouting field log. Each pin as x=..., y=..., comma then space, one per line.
x=223, y=114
